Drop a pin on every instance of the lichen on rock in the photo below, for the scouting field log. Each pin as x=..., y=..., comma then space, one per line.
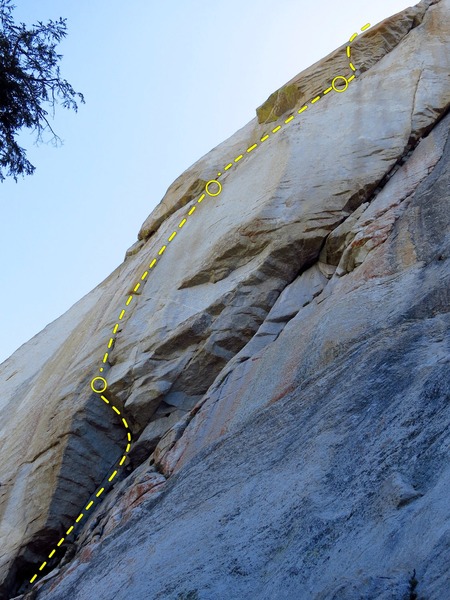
x=278, y=103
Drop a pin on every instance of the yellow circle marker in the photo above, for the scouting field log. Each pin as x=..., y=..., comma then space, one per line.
x=94, y=389
x=210, y=193
x=333, y=84
x=101, y=369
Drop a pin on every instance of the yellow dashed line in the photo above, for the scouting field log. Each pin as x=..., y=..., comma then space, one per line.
x=145, y=275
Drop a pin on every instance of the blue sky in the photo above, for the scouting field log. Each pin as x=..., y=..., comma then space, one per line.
x=165, y=82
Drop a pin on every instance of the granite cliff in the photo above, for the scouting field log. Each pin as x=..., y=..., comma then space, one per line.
x=276, y=349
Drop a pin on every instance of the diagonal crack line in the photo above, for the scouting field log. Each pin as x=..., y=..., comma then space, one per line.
x=413, y=106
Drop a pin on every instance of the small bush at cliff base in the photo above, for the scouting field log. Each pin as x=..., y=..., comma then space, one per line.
x=191, y=595
x=412, y=587
x=29, y=80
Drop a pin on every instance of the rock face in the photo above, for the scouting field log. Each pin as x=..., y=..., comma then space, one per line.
x=283, y=367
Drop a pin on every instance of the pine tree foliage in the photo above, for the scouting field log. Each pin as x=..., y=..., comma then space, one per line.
x=30, y=86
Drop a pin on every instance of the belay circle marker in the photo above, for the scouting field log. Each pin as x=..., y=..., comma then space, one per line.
x=94, y=389
x=210, y=193
x=339, y=90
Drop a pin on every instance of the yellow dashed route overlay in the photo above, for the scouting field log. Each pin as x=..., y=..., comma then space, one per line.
x=99, y=384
